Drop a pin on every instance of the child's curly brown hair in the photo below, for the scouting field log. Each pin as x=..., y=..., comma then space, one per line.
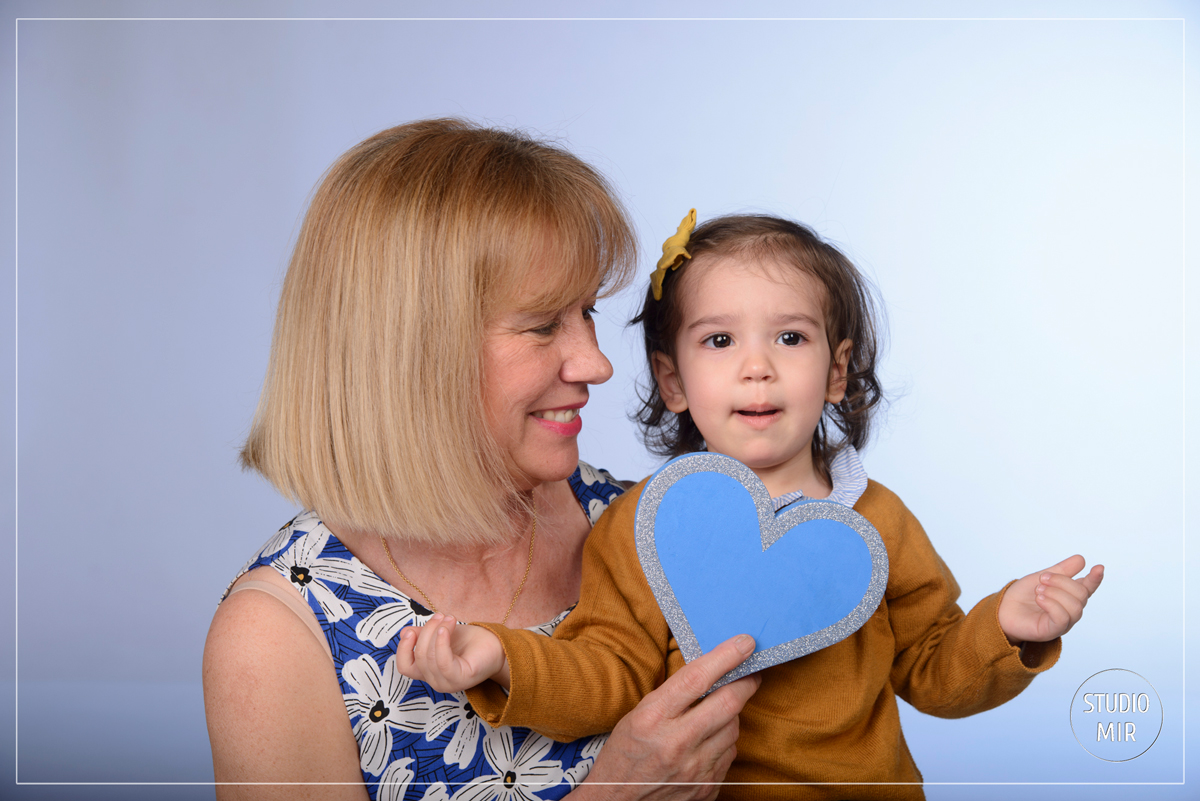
x=849, y=314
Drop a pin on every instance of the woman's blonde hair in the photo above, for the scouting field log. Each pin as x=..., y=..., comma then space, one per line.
x=371, y=411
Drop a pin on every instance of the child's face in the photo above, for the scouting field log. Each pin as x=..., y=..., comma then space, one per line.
x=753, y=366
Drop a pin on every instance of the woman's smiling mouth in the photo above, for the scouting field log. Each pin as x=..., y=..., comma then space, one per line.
x=557, y=415
x=565, y=422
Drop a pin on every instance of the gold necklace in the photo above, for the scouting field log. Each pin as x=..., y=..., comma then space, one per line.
x=516, y=595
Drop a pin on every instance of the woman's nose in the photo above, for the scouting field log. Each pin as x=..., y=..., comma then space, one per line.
x=583, y=363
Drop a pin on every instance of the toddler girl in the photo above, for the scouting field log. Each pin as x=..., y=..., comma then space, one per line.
x=761, y=343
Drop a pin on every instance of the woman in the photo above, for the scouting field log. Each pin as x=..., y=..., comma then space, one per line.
x=433, y=348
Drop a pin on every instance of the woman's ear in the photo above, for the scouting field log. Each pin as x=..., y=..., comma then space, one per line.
x=670, y=387
x=835, y=389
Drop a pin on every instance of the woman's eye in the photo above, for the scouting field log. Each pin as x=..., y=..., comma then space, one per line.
x=790, y=338
x=718, y=341
x=589, y=312
x=549, y=329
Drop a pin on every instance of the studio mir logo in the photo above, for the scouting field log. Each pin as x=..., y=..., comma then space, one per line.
x=1116, y=715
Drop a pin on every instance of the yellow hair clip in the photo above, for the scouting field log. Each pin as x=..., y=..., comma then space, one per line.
x=674, y=253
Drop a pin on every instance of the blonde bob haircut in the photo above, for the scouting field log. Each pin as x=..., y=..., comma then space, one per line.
x=371, y=412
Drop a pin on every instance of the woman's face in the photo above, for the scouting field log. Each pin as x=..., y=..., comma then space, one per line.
x=536, y=372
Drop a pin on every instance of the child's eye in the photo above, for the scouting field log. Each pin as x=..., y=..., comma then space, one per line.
x=790, y=338
x=718, y=340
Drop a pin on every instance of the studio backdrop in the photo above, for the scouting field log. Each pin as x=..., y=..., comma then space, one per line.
x=1014, y=188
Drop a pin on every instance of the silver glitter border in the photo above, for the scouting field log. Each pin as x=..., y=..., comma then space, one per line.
x=773, y=526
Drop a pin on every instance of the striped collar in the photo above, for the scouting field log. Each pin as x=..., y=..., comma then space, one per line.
x=849, y=481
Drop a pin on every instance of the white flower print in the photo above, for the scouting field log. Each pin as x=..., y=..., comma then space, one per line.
x=574, y=776
x=273, y=546
x=518, y=776
x=385, y=621
x=596, y=508
x=592, y=749
x=302, y=564
x=436, y=792
x=547, y=629
x=379, y=700
x=463, y=745
x=365, y=580
x=276, y=543
x=590, y=475
x=395, y=780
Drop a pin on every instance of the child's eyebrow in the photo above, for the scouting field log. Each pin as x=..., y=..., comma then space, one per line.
x=713, y=320
x=796, y=317
x=722, y=320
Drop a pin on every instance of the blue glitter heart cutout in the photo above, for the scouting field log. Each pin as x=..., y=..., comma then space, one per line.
x=722, y=562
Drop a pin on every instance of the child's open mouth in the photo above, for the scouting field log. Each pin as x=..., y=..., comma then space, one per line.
x=759, y=419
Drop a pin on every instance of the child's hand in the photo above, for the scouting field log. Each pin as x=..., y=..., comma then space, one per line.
x=449, y=657
x=1046, y=604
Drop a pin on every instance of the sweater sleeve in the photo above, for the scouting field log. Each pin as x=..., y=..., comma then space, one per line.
x=946, y=664
x=604, y=657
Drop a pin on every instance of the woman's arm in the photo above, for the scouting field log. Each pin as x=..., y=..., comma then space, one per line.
x=274, y=708
x=669, y=746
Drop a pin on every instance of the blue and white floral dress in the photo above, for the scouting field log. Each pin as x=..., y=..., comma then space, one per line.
x=414, y=742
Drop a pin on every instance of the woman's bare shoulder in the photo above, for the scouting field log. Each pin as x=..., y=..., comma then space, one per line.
x=273, y=703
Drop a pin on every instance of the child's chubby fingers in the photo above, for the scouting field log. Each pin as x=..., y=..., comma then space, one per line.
x=1062, y=606
x=425, y=652
x=1069, y=566
x=1081, y=589
x=443, y=654
x=1062, y=612
x=426, y=639
x=1063, y=584
x=419, y=644
x=405, y=660
x=1072, y=565
x=1092, y=580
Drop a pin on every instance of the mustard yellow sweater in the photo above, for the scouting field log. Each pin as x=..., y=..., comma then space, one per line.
x=829, y=717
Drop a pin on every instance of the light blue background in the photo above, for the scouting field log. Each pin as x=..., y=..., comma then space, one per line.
x=1015, y=189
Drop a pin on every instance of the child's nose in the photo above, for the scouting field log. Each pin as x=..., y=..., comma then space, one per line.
x=757, y=367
